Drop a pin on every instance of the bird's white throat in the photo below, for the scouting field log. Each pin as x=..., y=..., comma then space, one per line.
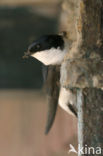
x=50, y=57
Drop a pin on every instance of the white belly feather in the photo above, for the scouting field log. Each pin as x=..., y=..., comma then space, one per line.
x=50, y=57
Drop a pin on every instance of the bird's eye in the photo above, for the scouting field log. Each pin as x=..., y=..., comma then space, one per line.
x=37, y=46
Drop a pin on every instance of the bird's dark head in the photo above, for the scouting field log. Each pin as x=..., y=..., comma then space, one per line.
x=46, y=42
x=46, y=48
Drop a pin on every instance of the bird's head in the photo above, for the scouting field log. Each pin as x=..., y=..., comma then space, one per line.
x=48, y=49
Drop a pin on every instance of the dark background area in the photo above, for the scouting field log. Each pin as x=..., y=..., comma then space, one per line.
x=19, y=26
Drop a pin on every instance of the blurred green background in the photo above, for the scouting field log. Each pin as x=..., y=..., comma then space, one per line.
x=19, y=27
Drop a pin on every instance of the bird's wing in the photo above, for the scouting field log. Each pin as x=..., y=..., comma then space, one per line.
x=52, y=87
x=45, y=72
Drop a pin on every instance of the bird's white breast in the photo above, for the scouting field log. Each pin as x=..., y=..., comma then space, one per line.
x=50, y=57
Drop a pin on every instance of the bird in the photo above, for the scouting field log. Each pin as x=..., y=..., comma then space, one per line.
x=50, y=50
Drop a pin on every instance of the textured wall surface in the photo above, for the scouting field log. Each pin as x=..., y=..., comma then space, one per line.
x=82, y=69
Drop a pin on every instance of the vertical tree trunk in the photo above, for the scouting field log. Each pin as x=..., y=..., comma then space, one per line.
x=83, y=69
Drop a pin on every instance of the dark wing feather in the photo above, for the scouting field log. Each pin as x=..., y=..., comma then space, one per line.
x=52, y=85
x=44, y=72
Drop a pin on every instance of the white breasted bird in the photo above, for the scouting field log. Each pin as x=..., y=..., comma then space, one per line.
x=50, y=50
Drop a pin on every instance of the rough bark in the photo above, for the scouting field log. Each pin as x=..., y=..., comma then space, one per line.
x=82, y=69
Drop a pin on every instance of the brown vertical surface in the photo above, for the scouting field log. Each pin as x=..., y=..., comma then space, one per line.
x=93, y=117
x=22, y=126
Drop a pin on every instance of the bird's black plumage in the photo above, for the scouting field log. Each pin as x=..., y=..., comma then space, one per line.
x=46, y=42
